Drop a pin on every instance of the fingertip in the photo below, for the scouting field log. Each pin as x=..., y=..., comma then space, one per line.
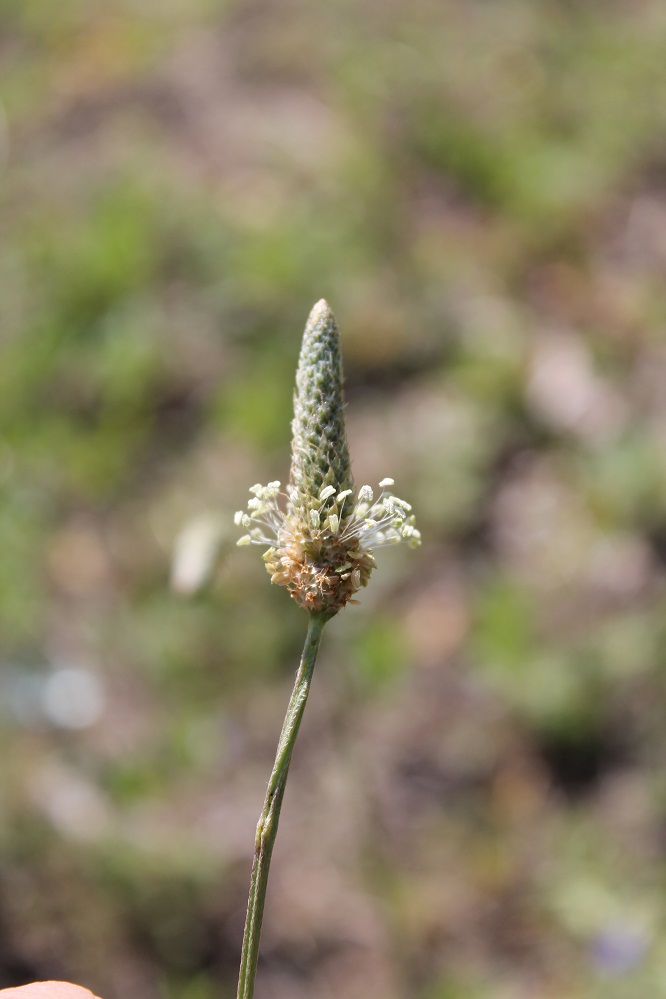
x=47, y=990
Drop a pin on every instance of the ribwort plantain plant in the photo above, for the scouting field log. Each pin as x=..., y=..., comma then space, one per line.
x=321, y=536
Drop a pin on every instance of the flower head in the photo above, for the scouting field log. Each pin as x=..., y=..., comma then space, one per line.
x=321, y=535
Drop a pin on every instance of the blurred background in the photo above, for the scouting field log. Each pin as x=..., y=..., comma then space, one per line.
x=477, y=807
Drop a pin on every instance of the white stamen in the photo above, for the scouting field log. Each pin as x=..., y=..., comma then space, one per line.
x=367, y=525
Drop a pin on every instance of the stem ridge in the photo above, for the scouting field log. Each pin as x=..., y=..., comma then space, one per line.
x=270, y=816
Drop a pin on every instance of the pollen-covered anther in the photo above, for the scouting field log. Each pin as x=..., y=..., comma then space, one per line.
x=321, y=557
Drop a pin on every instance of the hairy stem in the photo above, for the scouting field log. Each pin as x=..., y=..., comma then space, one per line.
x=268, y=822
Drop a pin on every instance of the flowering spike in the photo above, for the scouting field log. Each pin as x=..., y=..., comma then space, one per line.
x=319, y=451
x=321, y=547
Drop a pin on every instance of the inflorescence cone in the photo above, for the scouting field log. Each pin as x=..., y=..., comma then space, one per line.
x=320, y=535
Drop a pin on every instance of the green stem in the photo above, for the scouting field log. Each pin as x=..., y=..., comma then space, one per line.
x=268, y=821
